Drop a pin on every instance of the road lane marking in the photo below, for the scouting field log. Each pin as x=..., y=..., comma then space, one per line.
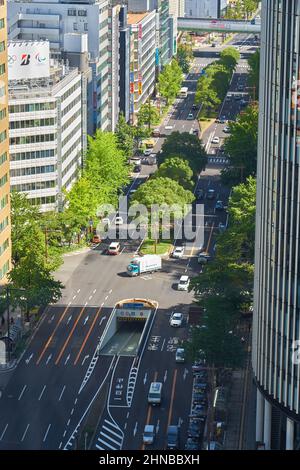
x=210, y=235
x=69, y=337
x=74, y=297
x=51, y=337
x=86, y=319
x=78, y=291
x=29, y=358
x=68, y=422
x=172, y=397
x=61, y=394
x=64, y=433
x=69, y=319
x=4, y=431
x=110, y=438
x=46, y=434
x=145, y=378
x=25, y=432
x=106, y=297
x=94, y=291
x=85, y=358
x=48, y=359
x=60, y=445
x=112, y=432
x=106, y=444
x=41, y=394
x=90, y=297
x=110, y=291
x=87, y=336
x=67, y=359
x=72, y=411
x=21, y=394
x=135, y=428
x=162, y=347
x=166, y=375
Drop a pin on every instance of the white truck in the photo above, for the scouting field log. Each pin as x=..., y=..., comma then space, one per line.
x=144, y=264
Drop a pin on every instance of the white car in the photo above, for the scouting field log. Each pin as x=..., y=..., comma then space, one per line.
x=147, y=152
x=184, y=283
x=178, y=252
x=168, y=128
x=176, y=319
x=119, y=220
x=216, y=140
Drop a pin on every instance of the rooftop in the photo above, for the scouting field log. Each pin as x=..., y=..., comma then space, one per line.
x=135, y=18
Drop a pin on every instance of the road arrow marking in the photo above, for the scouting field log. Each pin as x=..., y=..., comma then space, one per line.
x=69, y=319
x=185, y=373
x=102, y=320
x=145, y=378
x=85, y=358
x=67, y=359
x=29, y=358
x=49, y=357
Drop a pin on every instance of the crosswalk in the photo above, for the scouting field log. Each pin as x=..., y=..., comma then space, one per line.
x=110, y=437
x=217, y=160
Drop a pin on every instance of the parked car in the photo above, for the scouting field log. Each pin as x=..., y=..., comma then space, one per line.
x=114, y=248
x=176, y=319
x=178, y=252
x=216, y=140
x=183, y=283
x=226, y=130
x=156, y=133
x=222, y=227
x=200, y=194
x=203, y=258
x=147, y=152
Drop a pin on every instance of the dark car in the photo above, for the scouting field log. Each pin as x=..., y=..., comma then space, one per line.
x=219, y=206
x=137, y=168
x=195, y=106
x=200, y=194
x=173, y=437
x=196, y=132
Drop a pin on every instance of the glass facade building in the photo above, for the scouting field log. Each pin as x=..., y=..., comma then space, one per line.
x=276, y=326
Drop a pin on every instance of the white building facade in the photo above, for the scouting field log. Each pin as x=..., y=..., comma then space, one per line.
x=45, y=136
x=53, y=20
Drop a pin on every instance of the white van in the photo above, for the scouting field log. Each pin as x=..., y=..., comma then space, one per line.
x=154, y=395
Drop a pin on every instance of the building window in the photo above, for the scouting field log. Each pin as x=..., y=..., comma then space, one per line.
x=75, y=27
x=4, y=246
x=4, y=270
x=2, y=113
x=2, y=46
x=4, y=202
x=85, y=27
x=2, y=69
x=82, y=13
x=72, y=12
x=3, y=158
x=3, y=180
x=3, y=224
x=3, y=136
x=2, y=23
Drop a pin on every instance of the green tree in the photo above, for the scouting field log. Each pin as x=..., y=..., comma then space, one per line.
x=241, y=147
x=169, y=81
x=184, y=57
x=177, y=169
x=148, y=115
x=205, y=95
x=82, y=201
x=186, y=146
x=253, y=78
x=125, y=136
x=220, y=76
x=32, y=284
x=229, y=57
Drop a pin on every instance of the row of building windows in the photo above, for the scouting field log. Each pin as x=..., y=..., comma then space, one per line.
x=3, y=136
x=4, y=223
x=3, y=180
x=71, y=90
x=2, y=69
x=2, y=46
x=70, y=120
x=75, y=160
x=30, y=108
x=32, y=139
x=4, y=246
x=85, y=27
x=38, y=201
x=16, y=157
x=71, y=134
x=2, y=113
x=71, y=105
x=73, y=12
x=3, y=158
x=4, y=202
x=32, y=123
x=4, y=269
x=2, y=23
x=71, y=149
x=37, y=185
x=35, y=170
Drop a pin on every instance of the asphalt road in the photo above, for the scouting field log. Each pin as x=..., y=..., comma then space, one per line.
x=60, y=373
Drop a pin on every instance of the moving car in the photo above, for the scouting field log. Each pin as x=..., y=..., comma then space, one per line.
x=178, y=252
x=183, y=283
x=148, y=434
x=114, y=248
x=190, y=117
x=155, y=393
x=210, y=194
x=219, y=206
x=137, y=169
x=173, y=437
x=147, y=152
x=222, y=227
x=195, y=106
x=222, y=120
x=200, y=194
x=176, y=319
x=203, y=258
x=215, y=140
x=180, y=355
x=156, y=133
x=96, y=239
x=168, y=128
x=226, y=130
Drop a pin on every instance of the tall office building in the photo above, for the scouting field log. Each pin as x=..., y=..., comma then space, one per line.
x=204, y=8
x=5, y=240
x=276, y=324
x=177, y=8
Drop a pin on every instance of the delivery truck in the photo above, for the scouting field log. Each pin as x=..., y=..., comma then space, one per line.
x=144, y=264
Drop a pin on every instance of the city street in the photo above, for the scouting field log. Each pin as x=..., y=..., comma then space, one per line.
x=60, y=373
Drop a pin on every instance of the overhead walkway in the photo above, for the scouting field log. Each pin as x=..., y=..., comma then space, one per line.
x=227, y=26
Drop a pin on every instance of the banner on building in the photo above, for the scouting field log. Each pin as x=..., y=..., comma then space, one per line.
x=140, y=88
x=131, y=87
x=140, y=34
x=28, y=59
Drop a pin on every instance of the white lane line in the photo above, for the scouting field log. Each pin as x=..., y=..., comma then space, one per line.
x=86, y=319
x=46, y=434
x=90, y=297
x=68, y=358
x=106, y=444
x=60, y=445
x=74, y=297
x=111, y=424
x=64, y=433
x=110, y=291
x=61, y=394
x=94, y=291
x=76, y=400
x=49, y=357
x=69, y=319
x=21, y=394
x=78, y=291
x=72, y=411
x=4, y=431
x=68, y=422
x=99, y=447
x=102, y=304
x=25, y=432
x=42, y=393
x=163, y=344
x=106, y=297
x=112, y=432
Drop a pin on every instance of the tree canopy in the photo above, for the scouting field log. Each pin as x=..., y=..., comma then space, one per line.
x=178, y=170
x=186, y=146
x=253, y=77
x=184, y=57
x=169, y=81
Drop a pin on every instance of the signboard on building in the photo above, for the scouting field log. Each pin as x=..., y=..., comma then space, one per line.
x=140, y=34
x=140, y=88
x=132, y=314
x=28, y=59
x=131, y=87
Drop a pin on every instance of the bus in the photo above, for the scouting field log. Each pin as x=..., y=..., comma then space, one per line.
x=183, y=92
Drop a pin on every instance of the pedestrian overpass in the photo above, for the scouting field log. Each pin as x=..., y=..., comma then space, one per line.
x=223, y=26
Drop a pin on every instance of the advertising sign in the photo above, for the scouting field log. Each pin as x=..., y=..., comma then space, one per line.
x=131, y=87
x=140, y=35
x=28, y=59
x=140, y=88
